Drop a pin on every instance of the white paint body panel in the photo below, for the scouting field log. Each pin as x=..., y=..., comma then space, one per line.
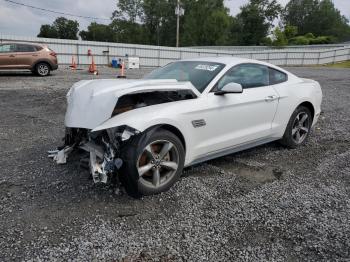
x=232, y=120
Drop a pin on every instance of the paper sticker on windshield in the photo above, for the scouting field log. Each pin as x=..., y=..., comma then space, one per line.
x=207, y=67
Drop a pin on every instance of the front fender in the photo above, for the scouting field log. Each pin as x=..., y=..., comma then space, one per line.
x=139, y=119
x=144, y=118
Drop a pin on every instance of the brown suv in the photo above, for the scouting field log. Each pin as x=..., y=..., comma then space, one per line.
x=37, y=58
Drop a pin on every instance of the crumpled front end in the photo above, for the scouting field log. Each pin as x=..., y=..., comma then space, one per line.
x=91, y=103
x=100, y=150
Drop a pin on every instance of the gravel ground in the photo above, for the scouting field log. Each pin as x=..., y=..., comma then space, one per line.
x=264, y=204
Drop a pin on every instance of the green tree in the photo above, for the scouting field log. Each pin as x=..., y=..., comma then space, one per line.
x=157, y=16
x=128, y=32
x=98, y=32
x=319, y=17
x=290, y=31
x=280, y=38
x=62, y=28
x=48, y=31
x=206, y=22
x=129, y=10
x=255, y=20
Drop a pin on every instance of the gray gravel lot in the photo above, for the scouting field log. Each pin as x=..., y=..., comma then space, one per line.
x=267, y=203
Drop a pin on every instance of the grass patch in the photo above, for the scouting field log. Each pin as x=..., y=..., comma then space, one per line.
x=345, y=64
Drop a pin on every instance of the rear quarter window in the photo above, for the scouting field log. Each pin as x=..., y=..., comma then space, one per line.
x=38, y=48
x=277, y=77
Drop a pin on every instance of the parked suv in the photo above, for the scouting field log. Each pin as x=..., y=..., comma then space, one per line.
x=35, y=57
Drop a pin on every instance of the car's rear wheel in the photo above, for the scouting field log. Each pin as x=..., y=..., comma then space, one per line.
x=42, y=69
x=298, y=128
x=153, y=162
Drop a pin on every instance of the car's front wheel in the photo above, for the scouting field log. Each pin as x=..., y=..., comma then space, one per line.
x=298, y=128
x=153, y=162
x=42, y=69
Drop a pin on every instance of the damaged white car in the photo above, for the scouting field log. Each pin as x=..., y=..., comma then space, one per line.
x=146, y=131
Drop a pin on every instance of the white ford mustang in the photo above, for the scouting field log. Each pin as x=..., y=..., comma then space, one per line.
x=146, y=131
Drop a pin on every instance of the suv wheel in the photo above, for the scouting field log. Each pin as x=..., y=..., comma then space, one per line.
x=153, y=162
x=42, y=69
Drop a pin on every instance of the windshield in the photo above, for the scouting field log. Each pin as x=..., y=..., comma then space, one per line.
x=199, y=73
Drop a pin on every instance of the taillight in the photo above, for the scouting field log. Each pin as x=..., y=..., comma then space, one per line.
x=53, y=54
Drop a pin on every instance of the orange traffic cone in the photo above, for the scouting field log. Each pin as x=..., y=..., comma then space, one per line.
x=73, y=66
x=92, y=67
x=122, y=73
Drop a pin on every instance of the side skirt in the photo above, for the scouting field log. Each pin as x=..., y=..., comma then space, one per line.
x=231, y=150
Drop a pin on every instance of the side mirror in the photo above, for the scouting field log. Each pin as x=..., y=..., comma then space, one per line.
x=230, y=88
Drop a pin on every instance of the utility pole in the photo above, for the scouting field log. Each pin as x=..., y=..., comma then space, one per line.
x=177, y=23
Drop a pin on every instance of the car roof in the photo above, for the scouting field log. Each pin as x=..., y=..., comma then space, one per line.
x=23, y=43
x=220, y=59
x=232, y=61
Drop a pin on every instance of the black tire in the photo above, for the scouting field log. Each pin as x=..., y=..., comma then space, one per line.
x=134, y=152
x=42, y=69
x=295, y=126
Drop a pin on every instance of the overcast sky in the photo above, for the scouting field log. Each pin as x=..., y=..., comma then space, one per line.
x=20, y=20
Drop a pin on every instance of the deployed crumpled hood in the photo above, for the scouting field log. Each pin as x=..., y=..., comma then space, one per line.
x=91, y=102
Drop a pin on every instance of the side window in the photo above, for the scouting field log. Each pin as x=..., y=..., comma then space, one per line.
x=248, y=75
x=6, y=48
x=25, y=48
x=277, y=77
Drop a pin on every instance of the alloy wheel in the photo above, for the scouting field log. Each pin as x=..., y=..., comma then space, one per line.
x=158, y=163
x=301, y=127
x=43, y=70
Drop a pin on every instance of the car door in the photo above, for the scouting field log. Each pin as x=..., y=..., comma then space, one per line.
x=240, y=118
x=7, y=56
x=24, y=56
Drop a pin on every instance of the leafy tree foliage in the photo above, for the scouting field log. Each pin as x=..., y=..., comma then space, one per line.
x=319, y=17
x=48, y=31
x=205, y=23
x=280, y=38
x=208, y=22
x=129, y=10
x=128, y=32
x=62, y=28
x=98, y=32
x=290, y=31
x=255, y=21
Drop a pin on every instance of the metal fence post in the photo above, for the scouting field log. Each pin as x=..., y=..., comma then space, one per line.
x=78, y=56
x=319, y=58
x=158, y=56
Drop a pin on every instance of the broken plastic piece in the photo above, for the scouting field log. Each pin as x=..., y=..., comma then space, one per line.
x=97, y=170
x=60, y=156
x=127, y=134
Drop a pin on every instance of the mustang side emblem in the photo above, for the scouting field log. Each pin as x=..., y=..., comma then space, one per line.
x=198, y=123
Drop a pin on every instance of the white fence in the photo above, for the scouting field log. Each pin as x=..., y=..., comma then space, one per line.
x=154, y=56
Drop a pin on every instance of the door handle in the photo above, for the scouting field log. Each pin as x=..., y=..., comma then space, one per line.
x=34, y=55
x=270, y=98
x=12, y=56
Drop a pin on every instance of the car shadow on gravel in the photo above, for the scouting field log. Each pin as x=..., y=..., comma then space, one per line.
x=239, y=164
x=16, y=74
